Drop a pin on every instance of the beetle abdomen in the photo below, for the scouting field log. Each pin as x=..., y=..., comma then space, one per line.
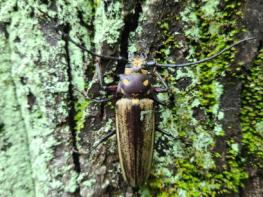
x=135, y=134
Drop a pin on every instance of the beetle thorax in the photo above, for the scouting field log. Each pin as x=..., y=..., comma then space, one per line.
x=135, y=82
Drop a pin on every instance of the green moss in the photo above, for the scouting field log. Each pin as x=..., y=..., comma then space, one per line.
x=251, y=112
x=187, y=167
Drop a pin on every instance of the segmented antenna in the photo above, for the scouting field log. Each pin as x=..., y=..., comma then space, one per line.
x=123, y=59
x=203, y=60
x=92, y=53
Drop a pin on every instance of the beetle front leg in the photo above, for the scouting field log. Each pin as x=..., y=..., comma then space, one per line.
x=100, y=72
x=164, y=87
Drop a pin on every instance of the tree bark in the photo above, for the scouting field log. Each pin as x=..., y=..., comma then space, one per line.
x=48, y=129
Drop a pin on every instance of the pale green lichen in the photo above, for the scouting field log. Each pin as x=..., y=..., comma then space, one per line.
x=108, y=23
x=39, y=72
x=15, y=165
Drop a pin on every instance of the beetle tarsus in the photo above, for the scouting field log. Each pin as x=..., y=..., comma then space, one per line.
x=106, y=137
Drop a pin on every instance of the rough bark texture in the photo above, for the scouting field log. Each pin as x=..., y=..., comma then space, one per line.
x=47, y=128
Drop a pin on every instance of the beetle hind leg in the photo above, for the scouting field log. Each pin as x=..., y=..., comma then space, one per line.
x=166, y=134
x=103, y=139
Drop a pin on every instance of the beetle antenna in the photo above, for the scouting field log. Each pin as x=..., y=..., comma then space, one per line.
x=202, y=60
x=82, y=47
x=92, y=53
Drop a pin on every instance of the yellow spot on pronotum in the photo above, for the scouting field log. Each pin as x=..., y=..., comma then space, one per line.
x=128, y=71
x=146, y=82
x=135, y=101
x=125, y=81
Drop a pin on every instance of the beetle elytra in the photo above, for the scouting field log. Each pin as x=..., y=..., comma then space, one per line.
x=135, y=137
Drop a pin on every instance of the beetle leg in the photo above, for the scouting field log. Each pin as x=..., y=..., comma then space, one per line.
x=99, y=74
x=160, y=89
x=111, y=88
x=95, y=100
x=155, y=98
x=101, y=100
x=165, y=133
x=107, y=136
x=96, y=144
x=80, y=152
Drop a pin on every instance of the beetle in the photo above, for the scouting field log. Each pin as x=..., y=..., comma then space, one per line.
x=135, y=117
x=135, y=121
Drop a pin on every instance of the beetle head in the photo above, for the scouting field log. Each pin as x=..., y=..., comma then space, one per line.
x=138, y=61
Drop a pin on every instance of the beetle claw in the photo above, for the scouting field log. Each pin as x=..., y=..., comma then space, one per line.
x=107, y=136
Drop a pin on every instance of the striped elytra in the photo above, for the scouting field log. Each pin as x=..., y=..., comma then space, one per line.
x=135, y=123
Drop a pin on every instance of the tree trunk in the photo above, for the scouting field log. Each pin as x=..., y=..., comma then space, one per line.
x=48, y=128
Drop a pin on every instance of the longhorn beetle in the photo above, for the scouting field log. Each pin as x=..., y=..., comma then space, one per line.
x=135, y=118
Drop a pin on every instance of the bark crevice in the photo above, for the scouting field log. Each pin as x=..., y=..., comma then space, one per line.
x=131, y=22
x=72, y=112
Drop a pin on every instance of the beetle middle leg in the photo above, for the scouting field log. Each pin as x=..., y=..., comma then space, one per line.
x=95, y=100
